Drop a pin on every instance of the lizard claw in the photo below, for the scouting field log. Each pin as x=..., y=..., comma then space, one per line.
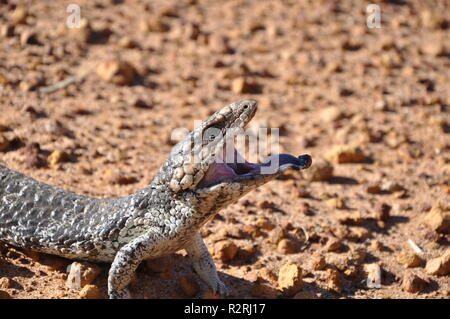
x=221, y=289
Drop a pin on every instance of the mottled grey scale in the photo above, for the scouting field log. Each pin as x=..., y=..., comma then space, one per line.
x=157, y=220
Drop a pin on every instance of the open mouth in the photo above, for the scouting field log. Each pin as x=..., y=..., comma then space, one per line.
x=238, y=169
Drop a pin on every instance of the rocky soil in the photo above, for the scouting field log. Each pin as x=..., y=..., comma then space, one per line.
x=371, y=217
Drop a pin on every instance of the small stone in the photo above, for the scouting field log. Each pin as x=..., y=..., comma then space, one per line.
x=438, y=218
x=252, y=231
x=376, y=245
x=188, y=286
x=126, y=43
x=333, y=245
x=264, y=223
x=433, y=48
x=218, y=44
x=335, y=202
x=81, y=274
x=266, y=205
x=331, y=114
x=225, y=250
x=351, y=218
x=276, y=235
x=57, y=157
x=351, y=271
x=409, y=259
x=392, y=187
x=334, y=280
x=305, y=209
x=287, y=246
x=240, y=85
x=7, y=31
x=266, y=275
x=90, y=292
x=439, y=266
x=320, y=170
x=358, y=254
x=246, y=252
x=373, y=188
x=4, y=295
x=19, y=16
x=4, y=143
x=319, y=262
x=413, y=283
x=28, y=37
x=382, y=211
x=5, y=283
x=357, y=233
x=116, y=71
x=290, y=279
x=3, y=80
x=346, y=154
x=83, y=33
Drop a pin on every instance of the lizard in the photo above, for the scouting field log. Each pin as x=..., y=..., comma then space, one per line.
x=190, y=188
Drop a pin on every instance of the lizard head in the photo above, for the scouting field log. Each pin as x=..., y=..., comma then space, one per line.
x=205, y=161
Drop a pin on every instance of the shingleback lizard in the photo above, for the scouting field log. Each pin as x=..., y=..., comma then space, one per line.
x=192, y=185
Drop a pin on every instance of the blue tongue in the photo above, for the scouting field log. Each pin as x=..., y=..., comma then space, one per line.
x=303, y=161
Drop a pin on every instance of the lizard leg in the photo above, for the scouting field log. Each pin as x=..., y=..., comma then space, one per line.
x=204, y=265
x=124, y=265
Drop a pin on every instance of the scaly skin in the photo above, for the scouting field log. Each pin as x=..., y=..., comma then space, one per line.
x=160, y=219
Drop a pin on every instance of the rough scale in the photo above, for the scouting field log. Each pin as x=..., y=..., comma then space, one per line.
x=190, y=188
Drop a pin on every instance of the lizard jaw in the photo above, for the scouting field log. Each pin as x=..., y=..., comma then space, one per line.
x=240, y=170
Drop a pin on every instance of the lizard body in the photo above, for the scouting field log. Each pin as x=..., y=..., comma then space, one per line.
x=192, y=185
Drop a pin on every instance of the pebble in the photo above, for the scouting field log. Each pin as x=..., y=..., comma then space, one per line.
x=81, y=274
x=413, y=283
x=333, y=245
x=320, y=170
x=90, y=292
x=358, y=254
x=5, y=283
x=382, y=211
x=264, y=223
x=376, y=245
x=116, y=71
x=438, y=218
x=218, y=44
x=409, y=259
x=57, y=157
x=345, y=154
x=351, y=218
x=276, y=235
x=331, y=114
x=225, y=250
x=290, y=279
x=319, y=262
x=439, y=266
x=19, y=16
x=334, y=280
x=287, y=246
x=189, y=287
x=4, y=143
x=252, y=231
x=373, y=188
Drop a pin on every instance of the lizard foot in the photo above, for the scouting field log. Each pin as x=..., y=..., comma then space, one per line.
x=119, y=294
x=220, y=289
